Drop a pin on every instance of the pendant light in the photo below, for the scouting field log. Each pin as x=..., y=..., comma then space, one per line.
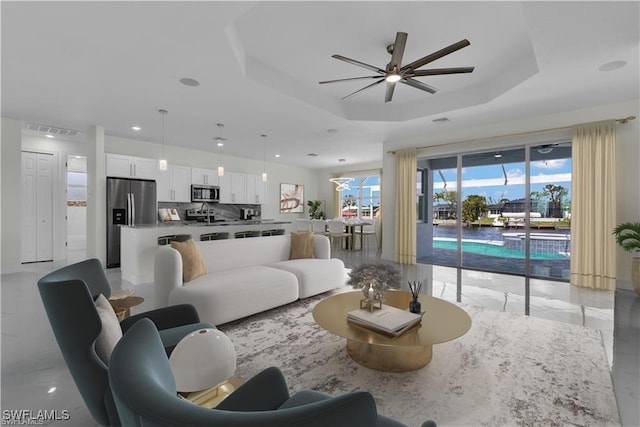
x=220, y=143
x=162, y=163
x=264, y=158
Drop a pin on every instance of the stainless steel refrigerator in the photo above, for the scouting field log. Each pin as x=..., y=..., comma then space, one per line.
x=129, y=202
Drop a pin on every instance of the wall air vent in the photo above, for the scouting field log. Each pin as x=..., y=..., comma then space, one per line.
x=51, y=130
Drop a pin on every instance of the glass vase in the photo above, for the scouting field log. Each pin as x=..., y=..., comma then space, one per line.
x=415, y=306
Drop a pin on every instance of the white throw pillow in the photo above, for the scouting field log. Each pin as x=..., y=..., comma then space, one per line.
x=111, y=330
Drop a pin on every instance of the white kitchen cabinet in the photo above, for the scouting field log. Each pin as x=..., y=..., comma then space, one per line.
x=242, y=188
x=238, y=187
x=174, y=184
x=204, y=176
x=224, y=182
x=121, y=166
x=256, y=190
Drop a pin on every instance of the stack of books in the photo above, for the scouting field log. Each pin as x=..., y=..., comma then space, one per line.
x=388, y=320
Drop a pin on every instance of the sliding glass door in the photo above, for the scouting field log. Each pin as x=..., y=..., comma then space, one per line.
x=504, y=212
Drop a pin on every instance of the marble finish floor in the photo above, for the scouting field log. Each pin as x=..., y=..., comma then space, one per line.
x=35, y=377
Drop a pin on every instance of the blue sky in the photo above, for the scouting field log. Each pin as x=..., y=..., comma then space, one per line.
x=489, y=181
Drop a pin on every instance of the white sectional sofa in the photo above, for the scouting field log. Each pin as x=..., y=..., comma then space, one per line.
x=246, y=276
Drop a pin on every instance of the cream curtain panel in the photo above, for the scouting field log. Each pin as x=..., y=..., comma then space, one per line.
x=405, y=227
x=336, y=198
x=593, y=206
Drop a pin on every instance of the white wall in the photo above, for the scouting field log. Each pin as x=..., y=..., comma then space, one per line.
x=10, y=148
x=628, y=159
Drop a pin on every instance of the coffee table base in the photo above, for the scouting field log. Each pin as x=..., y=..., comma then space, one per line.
x=389, y=358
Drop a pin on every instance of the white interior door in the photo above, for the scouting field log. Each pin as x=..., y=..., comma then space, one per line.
x=37, y=207
x=29, y=174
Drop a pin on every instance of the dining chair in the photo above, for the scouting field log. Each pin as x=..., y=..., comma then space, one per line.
x=337, y=232
x=319, y=226
x=302, y=224
x=368, y=230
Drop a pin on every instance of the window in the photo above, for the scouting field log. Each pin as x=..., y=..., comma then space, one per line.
x=362, y=199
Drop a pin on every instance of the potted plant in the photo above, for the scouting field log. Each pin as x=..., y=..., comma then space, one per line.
x=628, y=237
x=314, y=209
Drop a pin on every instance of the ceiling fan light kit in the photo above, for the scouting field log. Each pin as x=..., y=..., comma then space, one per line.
x=394, y=72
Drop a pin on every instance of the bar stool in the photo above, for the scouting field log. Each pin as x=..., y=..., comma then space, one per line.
x=165, y=240
x=245, y=234
x=214, y=236
x=276, y=232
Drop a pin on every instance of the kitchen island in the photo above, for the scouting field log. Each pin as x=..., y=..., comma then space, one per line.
x=138, y=244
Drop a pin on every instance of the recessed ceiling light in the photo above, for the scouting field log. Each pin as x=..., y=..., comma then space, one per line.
x=613, y=65
x=51, y=390
x=136, y=128
x=276, y=155
x=187, y=81
x=49, y=136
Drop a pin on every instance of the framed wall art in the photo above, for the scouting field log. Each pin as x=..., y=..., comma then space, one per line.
x=291, y=198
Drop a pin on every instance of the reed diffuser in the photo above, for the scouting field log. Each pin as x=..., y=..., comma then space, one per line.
x=414, y=305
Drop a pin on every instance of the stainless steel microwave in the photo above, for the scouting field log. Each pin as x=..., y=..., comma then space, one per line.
x=205, y=193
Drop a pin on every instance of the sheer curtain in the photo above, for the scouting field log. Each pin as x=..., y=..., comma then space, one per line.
x=593, y=206
x=405, y=244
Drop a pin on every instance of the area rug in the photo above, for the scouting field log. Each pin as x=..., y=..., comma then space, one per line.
x=508, y=370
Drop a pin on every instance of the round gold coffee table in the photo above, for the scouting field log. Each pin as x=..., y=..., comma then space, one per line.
x=441, y=322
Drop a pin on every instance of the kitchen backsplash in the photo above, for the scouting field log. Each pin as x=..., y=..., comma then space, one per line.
x=219, y=210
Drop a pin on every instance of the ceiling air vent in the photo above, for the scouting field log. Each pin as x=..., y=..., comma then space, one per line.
x=441, y=120
x=313, y=155
x=51, y=130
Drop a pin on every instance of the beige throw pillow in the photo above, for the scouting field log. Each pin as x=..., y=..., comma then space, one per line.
x=302, y=245
x=192, y=263
x=111, y=330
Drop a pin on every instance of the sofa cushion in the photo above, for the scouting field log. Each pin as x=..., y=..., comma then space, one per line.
x=315, y=276
x=192, y=263
x=111, y=331
x=233, y=294
x=301, y=245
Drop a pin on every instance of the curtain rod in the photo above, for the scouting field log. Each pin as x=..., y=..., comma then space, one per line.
x=486, y=138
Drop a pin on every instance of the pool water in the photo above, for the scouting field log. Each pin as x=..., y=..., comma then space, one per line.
x=492, y=250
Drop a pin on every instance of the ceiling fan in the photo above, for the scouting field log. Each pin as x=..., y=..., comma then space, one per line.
x=396, y=73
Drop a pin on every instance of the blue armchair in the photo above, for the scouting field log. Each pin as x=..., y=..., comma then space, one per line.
x=68, y=295
x=145, y=394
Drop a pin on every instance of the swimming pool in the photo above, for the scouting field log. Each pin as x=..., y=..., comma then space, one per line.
x=492, y=250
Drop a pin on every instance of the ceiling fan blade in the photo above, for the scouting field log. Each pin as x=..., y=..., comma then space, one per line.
x=358, y=63
x=439, y=71
x=389, y=94
x=346, y=80
x=366, y=87
x=436, y=55
x=398, y=51
x=419, y=85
